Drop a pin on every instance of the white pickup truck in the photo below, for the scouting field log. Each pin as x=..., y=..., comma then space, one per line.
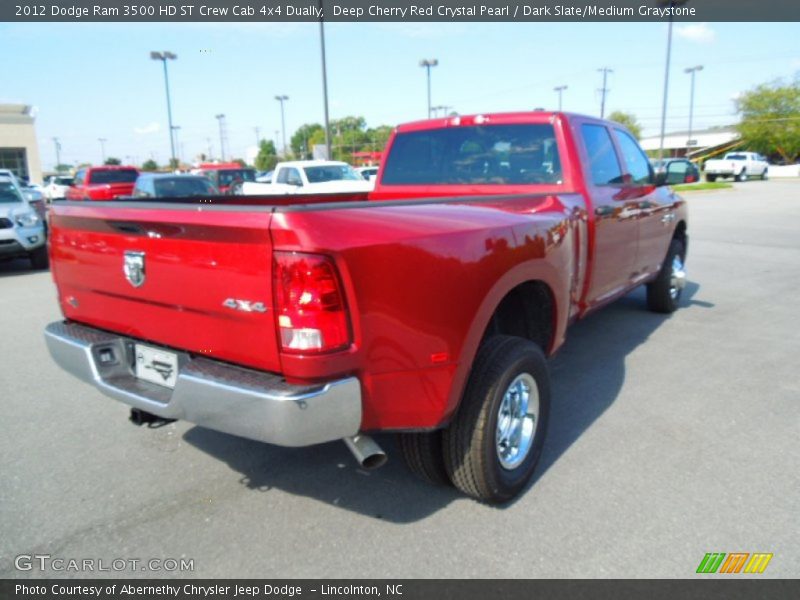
x=309, y=177
x=739, y=165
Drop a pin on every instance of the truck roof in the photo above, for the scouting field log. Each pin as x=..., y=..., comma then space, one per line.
x=533, y=117
x=299, y=164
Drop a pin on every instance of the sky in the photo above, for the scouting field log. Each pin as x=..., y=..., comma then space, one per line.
x=90, y=80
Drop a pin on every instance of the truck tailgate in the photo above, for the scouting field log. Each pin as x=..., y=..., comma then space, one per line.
x=204, y=270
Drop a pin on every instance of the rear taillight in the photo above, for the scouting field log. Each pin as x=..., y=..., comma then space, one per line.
x=309, y=304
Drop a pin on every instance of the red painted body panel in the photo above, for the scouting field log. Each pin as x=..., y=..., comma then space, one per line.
x=422, y=274
x=100, y=191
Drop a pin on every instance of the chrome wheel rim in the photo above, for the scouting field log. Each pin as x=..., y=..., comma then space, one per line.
x=516, y=421
x=677, y=279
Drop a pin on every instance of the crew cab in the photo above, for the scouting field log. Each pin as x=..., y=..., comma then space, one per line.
x=427, y=307
x=308, y=177
x=739, y=165
x=102, y=183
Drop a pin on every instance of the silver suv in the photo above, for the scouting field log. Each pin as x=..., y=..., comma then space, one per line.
x=21, y=230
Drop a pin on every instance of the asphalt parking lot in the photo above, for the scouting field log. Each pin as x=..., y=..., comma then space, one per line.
x=670, y=437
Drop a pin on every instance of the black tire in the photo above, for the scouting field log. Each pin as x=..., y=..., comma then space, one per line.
x=39, y=258
x=424, y=456
x=470, y=442
x=764, y=175
x=711, y=178
x=742, y=176
x=660, y=297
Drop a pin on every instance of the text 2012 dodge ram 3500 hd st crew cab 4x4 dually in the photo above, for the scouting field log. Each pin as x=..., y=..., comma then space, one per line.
x=426, y=307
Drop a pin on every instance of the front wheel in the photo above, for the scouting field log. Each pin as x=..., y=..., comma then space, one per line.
x=39, y=258
x=711, y=178
x=742, y=176
x=495, y=441
x=664, y=292
x=764, y=175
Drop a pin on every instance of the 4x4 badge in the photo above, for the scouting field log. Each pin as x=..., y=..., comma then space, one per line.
x=134, y=267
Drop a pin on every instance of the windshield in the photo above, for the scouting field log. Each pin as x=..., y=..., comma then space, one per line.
x=229, y=176
x=483, y=154
x=113, y=176
x=332, y=173
x=9, y=193
x=736, y=157
x=183, y=186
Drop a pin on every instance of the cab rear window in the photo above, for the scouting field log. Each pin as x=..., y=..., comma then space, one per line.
x=480, y=154
x=113, y=176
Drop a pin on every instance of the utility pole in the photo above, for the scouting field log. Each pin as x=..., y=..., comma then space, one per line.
x=175, y=129
x=102, y=149
x=221, y=118
x=427, y=64
x=210, y=149
x=604, y=90
x=666, y=4
x=258, y=136
x=691, y=71
x=559, y=90
x=58, y=152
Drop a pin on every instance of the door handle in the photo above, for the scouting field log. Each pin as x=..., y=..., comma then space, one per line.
x=668, y=218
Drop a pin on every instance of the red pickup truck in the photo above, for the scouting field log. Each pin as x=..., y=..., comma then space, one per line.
x=102, y=183
x=427, y=307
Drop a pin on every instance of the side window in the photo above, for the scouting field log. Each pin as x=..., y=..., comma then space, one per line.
x=293, y=177
x=282, y=176
x=635, y=159
x=603, y=164
x=79, y=177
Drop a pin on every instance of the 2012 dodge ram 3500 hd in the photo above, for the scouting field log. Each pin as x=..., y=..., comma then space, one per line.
x=426, y=307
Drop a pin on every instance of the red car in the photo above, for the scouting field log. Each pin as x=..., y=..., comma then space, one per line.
x=427, y=307
x=102, y=183
x=226, y=177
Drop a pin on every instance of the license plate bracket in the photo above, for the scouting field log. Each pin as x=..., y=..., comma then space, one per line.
x=156, y=365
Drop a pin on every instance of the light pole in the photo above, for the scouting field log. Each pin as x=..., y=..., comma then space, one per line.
x=58, y=153
x=671, y=4
x=164, y=57
x=221, y=119
x=427, y=64
x=442, y=107
x=258, y=136
x=282, y=99
x=102, y=149
x=175, y=129
x=604, y=90
x=559, y=89
x=324, y=84
x=691, y=71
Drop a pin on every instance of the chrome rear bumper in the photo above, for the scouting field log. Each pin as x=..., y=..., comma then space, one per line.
x=252, y=404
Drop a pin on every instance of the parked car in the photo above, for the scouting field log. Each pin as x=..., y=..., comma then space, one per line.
x=426, y=307
x=681, y=170
x=264, y=176
x=102, y=183
x=739, y=165
x=310, y=177
x=368, y=173
x=22, y=233
x=169, y=185
x=31, y=193
x=56, y=186
x=226, y=177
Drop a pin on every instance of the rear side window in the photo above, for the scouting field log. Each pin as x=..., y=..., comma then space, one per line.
x=603, y=164
x=480, y=154
x=113, y=176
x=635, y=159
x=81, y=175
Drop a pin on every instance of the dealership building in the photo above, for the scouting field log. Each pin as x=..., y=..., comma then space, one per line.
x=19, y=150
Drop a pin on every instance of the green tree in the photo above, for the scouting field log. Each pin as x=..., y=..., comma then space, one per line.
x=63, y=168
x=149, y=165
x=112, y=161
x=771, y=119
x=628, y=120
x=301, y=140
x=240, y=162
x=267, y=156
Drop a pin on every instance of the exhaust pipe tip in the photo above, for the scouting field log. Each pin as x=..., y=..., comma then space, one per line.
x=366, y=451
